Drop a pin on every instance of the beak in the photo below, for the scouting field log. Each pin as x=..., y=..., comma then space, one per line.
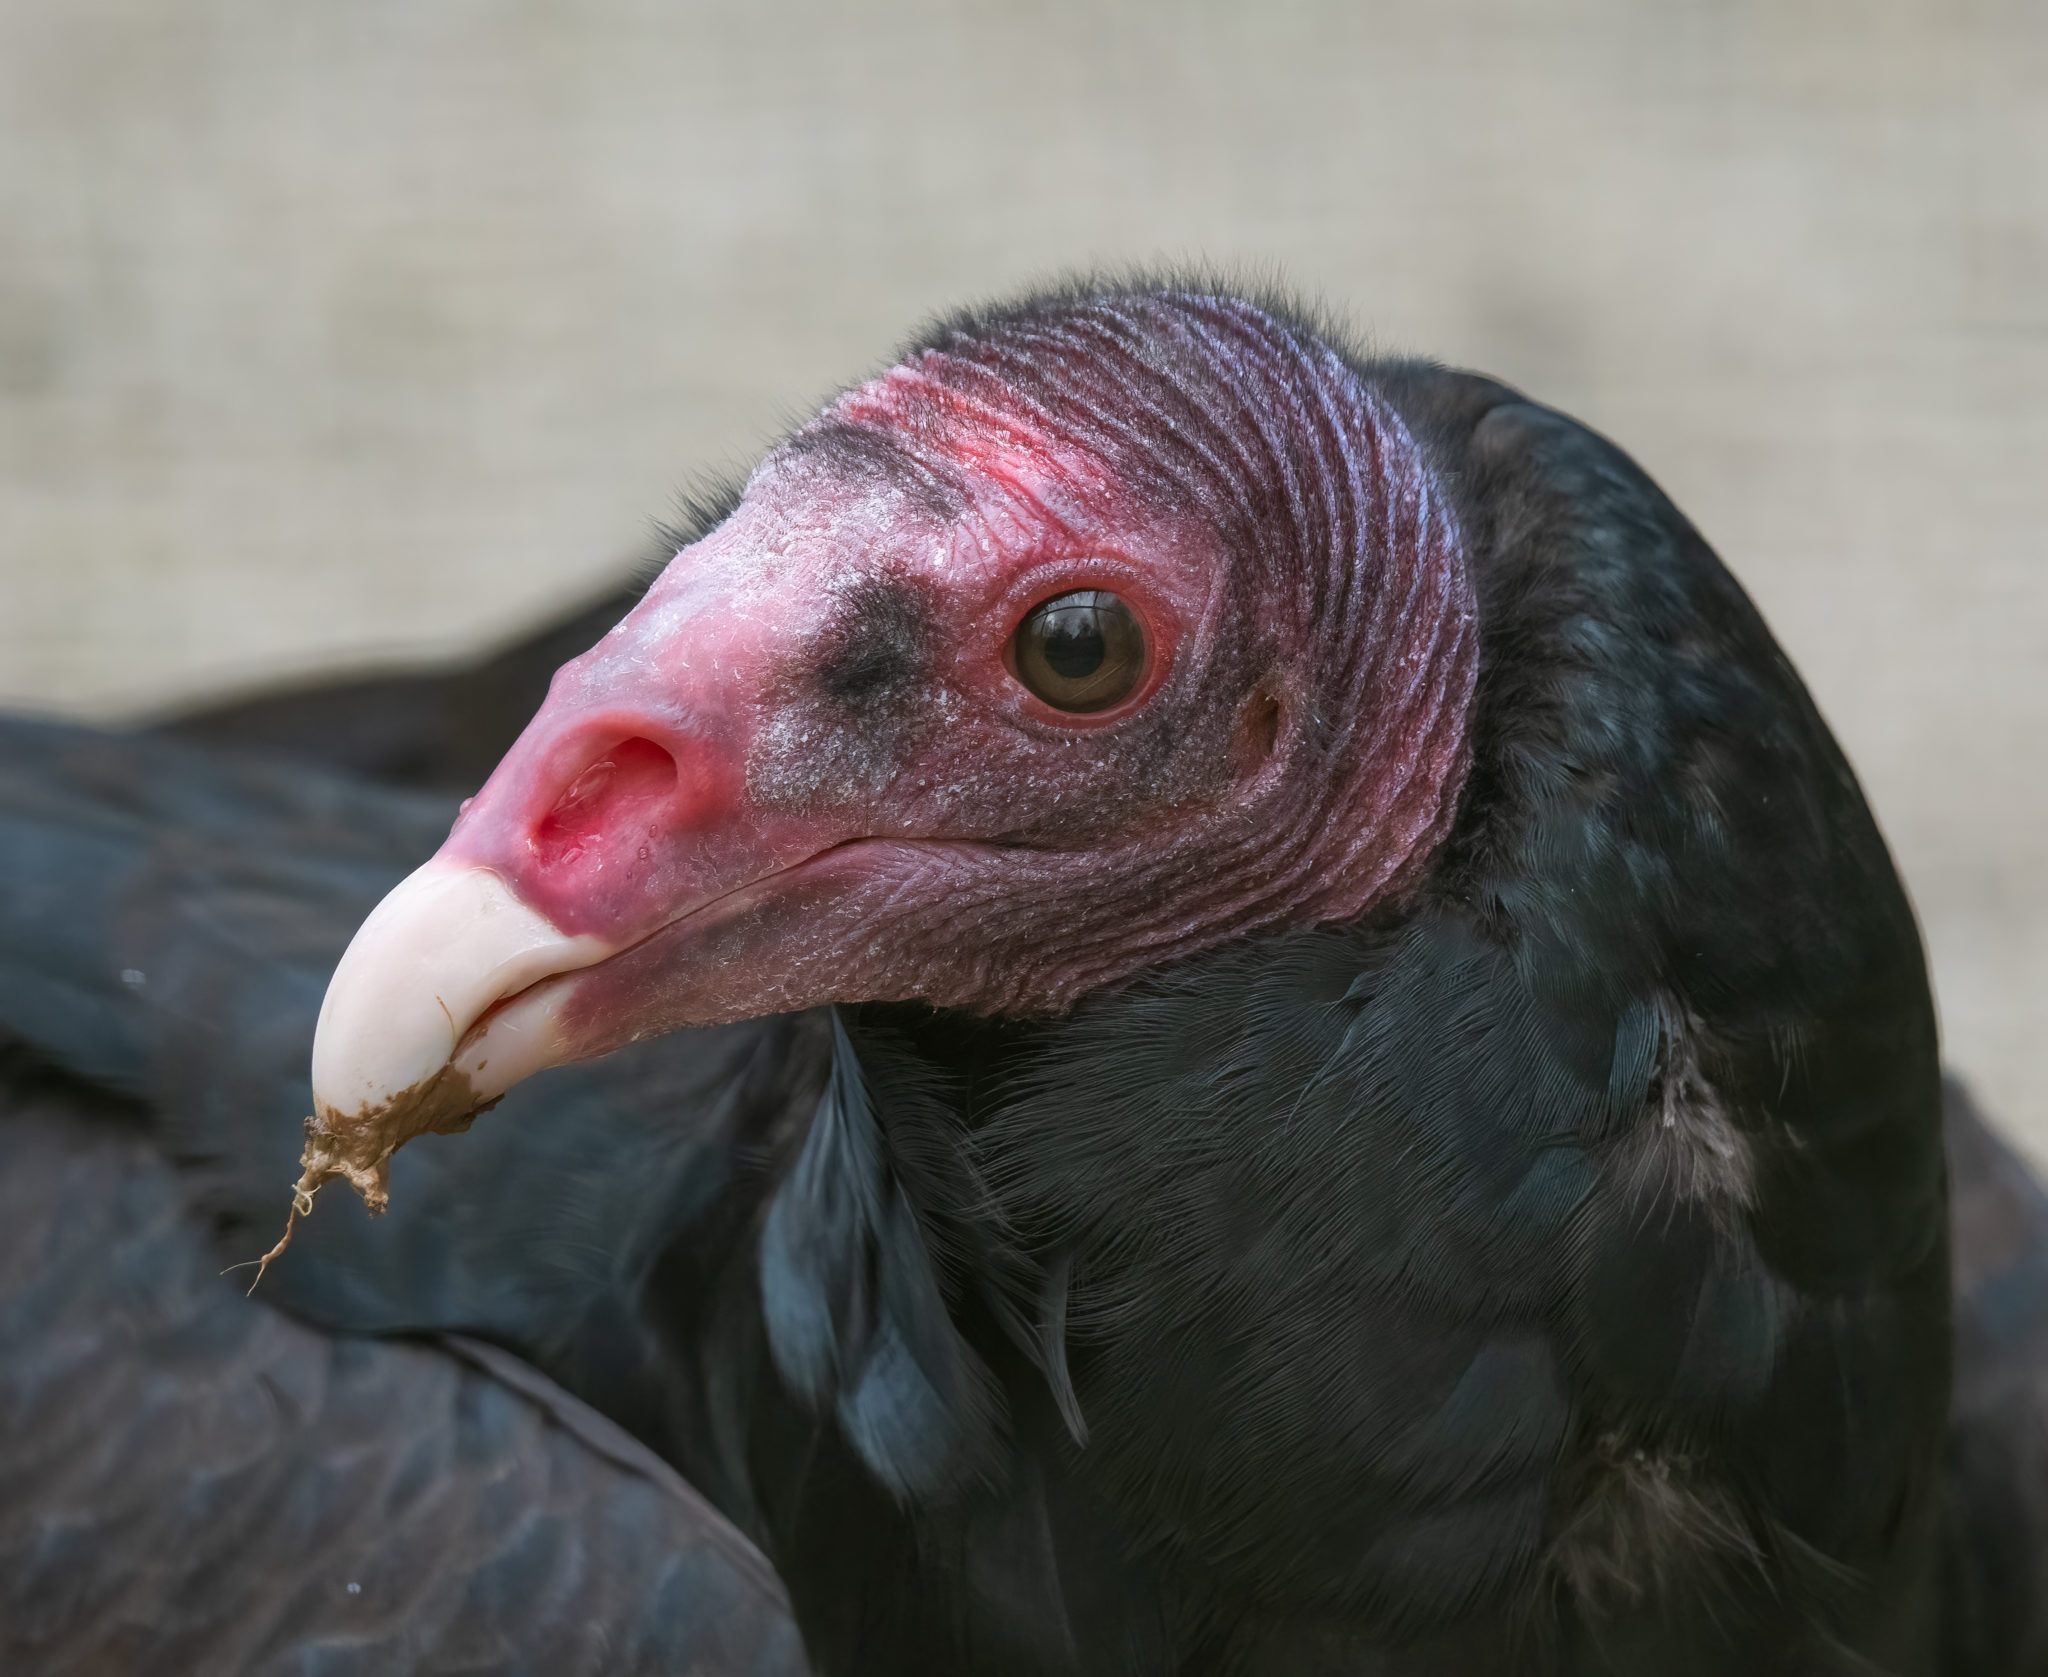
x=448, y=945
x=618, y=823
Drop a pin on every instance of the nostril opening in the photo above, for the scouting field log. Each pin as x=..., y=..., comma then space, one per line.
x=631, y=768
x=628, y=776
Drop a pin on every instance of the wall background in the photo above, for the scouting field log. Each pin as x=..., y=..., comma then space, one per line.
x=343, y=334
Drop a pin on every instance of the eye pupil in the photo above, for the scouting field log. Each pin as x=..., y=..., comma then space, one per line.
x=1080, y=652
x=1074, y=646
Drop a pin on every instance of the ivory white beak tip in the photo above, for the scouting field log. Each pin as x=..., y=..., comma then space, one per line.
x=449, y=943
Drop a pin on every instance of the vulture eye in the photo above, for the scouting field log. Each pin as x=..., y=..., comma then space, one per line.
x=1080, y=652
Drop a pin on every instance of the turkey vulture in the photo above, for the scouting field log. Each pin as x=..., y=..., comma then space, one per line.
x=1250, y=1026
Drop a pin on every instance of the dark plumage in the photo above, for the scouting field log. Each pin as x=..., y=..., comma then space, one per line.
x=197, y=1483
x=1544, y=1268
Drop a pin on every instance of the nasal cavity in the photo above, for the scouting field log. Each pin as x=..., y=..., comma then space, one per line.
x=619, y=793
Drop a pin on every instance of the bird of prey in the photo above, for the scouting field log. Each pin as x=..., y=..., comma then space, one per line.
x=1178, y=1002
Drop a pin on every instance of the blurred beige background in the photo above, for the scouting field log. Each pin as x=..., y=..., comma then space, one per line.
x=346, y=332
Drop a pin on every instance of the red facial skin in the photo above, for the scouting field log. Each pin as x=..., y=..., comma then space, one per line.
x=802, y=770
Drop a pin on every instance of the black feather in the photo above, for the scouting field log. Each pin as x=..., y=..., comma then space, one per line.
x=856, y=1320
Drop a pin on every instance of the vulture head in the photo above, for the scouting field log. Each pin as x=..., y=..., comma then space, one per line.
x=1089, y=635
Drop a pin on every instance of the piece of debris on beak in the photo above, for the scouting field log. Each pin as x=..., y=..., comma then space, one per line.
x=357, y=1147
x=405, y=1045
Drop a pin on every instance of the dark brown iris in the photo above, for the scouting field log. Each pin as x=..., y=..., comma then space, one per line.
x=1080, y=652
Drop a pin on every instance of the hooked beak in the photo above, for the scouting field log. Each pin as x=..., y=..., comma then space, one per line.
x=615, y=822
x=440, y=1004
x=408, y=1001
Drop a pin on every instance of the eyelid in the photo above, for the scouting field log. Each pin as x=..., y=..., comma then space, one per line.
x=1044, y=581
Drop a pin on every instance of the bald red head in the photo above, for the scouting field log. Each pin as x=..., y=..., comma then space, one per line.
x=810, y=766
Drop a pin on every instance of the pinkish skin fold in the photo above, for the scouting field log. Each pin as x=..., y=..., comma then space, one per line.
x=802, y=771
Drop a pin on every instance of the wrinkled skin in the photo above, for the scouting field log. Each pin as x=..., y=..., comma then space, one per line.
x=803, y=769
